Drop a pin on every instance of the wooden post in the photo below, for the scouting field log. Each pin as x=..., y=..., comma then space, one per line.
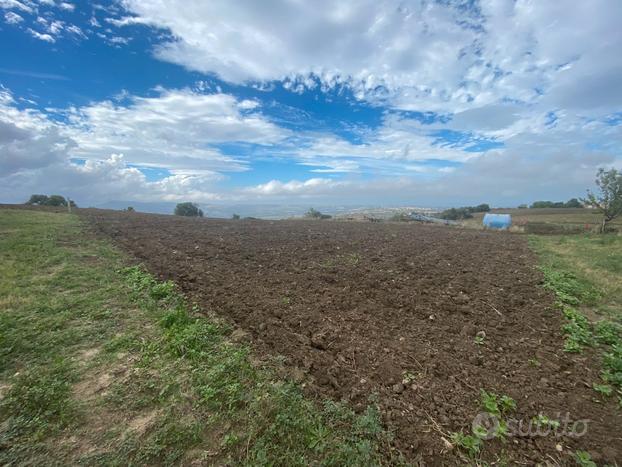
x=68, y=204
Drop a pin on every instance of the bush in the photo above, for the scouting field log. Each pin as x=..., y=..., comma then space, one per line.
x=454, y=214
x=235, y=217
x=188, y=210
x=465, y=212
x=315, y=214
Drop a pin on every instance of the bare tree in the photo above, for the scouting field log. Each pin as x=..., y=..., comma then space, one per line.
x=608, y=200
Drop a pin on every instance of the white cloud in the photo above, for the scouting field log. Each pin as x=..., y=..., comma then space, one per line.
x=41, y=36
x=295, y=188
x=125, y=21
x=171, y=131
x=76, y=30
x=502, y=178
x=174, y=129
x=23, y=6
x=12, y=18
x=35, y=156
x=419, y=55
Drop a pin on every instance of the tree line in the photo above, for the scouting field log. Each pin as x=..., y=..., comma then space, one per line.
x=571, y=203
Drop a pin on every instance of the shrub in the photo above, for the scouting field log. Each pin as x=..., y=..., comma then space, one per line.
x=454, y=214
x=315, y=214
x=188, y=210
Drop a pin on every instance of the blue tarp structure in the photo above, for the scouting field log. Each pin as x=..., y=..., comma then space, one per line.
x=497, y=221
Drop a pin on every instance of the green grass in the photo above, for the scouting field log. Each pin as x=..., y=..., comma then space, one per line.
x=498, y=407
x=585, y=273
x=100, y=363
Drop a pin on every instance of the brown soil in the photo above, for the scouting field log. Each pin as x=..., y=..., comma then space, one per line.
x=392, y=310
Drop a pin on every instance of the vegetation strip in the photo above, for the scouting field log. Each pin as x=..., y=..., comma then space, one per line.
x=575, y=290
x=103, y=364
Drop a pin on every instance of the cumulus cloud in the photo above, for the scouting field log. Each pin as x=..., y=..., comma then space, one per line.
x=176, y=129
x=419, y=55
x=95, y=182
x=312, y=186
x=507, y=177
x=83, y=156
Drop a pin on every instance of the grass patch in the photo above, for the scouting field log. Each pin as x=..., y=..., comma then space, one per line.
x=101, y=363
x=585, y=274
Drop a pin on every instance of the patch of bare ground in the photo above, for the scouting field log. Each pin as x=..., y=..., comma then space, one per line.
x=395, y=311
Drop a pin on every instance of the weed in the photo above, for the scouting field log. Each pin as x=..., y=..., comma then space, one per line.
x=612, y=363
x=479, y=340
x=471, y=444
x=577, y=330
x=534, y=362
x=408, y=377
x=543, y=421
x=495, y=404
x=604, y=389
x=567, y=287
x=584, y=459
x=607, y=332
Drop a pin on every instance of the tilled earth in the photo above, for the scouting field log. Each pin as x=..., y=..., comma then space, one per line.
x=389, y=309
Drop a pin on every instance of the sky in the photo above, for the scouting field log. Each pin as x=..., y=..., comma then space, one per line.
x=322, y=103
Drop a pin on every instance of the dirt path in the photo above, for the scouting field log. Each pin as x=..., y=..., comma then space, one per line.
x=392, y=310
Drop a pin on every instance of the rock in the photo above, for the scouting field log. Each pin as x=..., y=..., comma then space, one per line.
x=481, y=334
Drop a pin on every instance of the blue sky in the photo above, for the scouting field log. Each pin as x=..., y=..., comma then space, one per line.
x=423, y=103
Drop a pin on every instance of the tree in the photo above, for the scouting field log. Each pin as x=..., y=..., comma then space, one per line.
x=608, y=200
x=130, y=209
x=235, y=217
x=53, y=200
x=188, y=209
x=481, y=208
x=39, y=200
x=56, y=200
x=573, y=203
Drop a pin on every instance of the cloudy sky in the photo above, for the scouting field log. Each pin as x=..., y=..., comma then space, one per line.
x=429, y=103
